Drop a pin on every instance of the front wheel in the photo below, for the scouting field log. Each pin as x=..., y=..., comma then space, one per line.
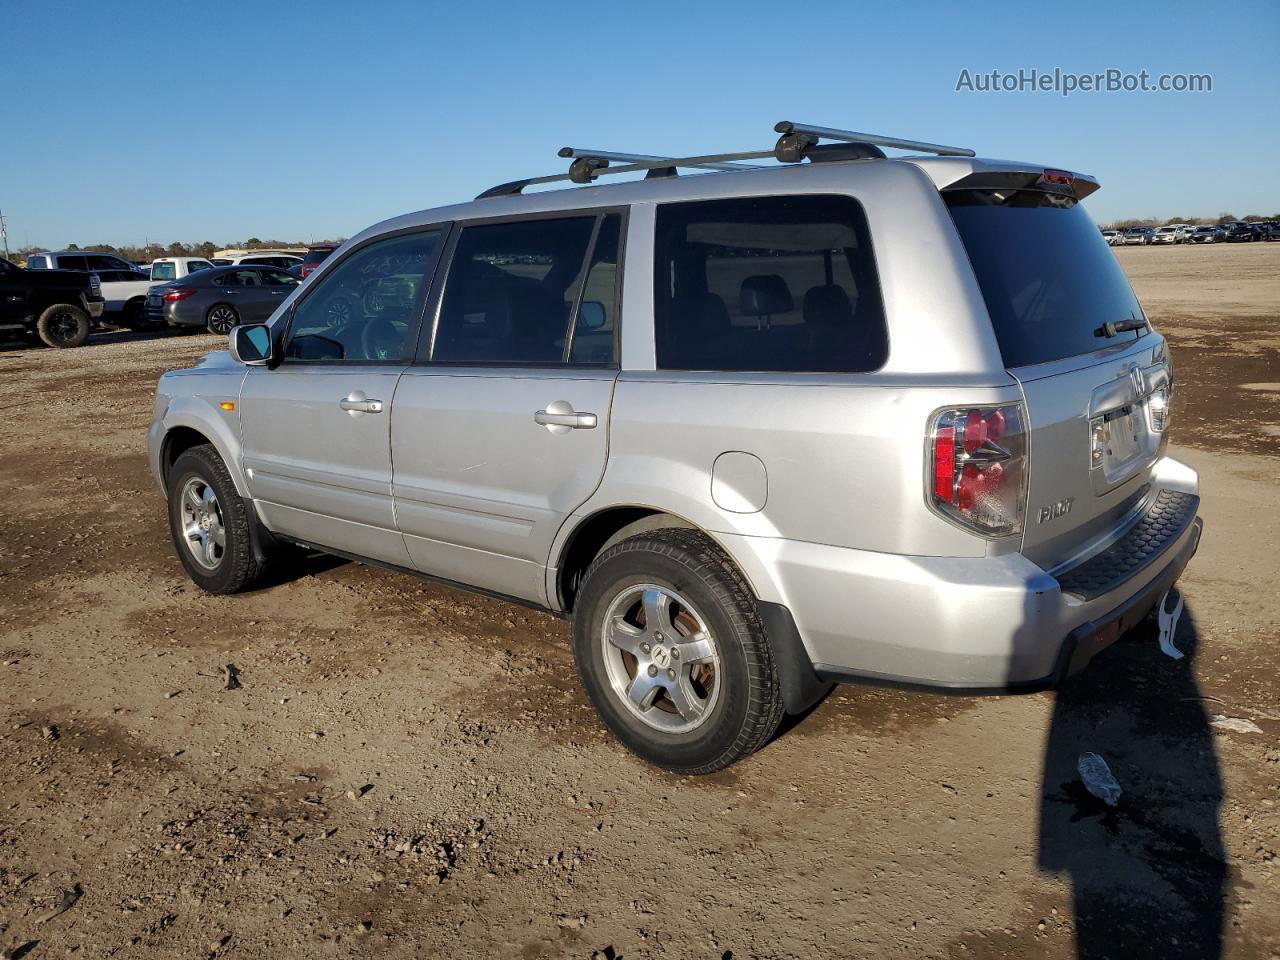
x=210, y=523
x=672, y=652
x=221, y=319
x=63, y=325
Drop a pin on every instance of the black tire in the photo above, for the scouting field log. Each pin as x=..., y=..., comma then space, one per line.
x=134, y=316
x=221, y=318
x=237, y=568
x=63, y=325
x=748, y=705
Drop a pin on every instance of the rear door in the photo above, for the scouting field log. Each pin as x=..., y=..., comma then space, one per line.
x=503, y=431
x=316, y=430
x=1096, y=393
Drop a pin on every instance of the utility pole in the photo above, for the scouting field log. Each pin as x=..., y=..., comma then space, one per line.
x=4, y=235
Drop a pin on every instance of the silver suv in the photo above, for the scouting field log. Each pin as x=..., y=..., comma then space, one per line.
x=755, y=431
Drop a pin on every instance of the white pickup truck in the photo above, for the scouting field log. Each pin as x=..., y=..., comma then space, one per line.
x=124, y=286
x=134, y=293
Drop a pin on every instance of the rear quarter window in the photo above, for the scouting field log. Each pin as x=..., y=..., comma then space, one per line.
x=1048, y=278
x=768, y=284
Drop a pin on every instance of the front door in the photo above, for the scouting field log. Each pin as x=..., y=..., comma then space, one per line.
x=316, y=430
x=504, y=432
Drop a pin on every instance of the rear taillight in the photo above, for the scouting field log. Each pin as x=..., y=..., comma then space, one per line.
x=978, y=468
x=305, y=269
x=174, y=296
x=95, y=285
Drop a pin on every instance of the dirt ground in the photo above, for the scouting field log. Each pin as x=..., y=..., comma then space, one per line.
x=410, y=771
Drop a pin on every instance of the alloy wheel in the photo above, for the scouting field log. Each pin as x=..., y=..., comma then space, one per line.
x=203, y=530
x=662, y=661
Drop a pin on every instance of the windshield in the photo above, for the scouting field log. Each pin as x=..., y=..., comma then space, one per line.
x=1048, y=279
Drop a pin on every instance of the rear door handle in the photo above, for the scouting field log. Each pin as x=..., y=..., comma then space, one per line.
x=560, y=414
x=357, y=402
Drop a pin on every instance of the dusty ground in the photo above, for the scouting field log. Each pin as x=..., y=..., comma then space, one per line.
x=408, y=771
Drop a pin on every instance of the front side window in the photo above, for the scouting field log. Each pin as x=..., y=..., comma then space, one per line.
x=367, y=307
x=768, y=284
x=277, y=278
x=512, y=291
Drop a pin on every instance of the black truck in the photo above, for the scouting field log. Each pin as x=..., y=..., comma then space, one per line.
x=59, y=306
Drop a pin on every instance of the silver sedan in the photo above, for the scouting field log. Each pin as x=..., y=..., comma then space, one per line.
x=221, y=298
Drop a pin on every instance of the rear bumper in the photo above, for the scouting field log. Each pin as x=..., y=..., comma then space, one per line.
x=984, y=624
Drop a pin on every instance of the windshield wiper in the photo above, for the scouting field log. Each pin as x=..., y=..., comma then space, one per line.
x=1124, y=326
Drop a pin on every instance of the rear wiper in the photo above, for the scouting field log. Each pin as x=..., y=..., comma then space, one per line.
x=1124, y=326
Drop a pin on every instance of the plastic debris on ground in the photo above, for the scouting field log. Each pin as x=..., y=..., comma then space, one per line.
x=1098, y=779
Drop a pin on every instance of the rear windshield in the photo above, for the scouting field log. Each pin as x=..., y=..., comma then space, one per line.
x=316, y=256
x=1048, y=278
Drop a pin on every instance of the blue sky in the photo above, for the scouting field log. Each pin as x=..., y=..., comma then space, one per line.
x=221, y=121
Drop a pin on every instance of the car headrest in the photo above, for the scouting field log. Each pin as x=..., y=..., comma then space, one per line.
x=764, y=295
x=827, y=306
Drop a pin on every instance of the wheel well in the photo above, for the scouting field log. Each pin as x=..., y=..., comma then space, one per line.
x=177, y=442
x=600, y=532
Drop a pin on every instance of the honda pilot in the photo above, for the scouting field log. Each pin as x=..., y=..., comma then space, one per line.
x=800, y=415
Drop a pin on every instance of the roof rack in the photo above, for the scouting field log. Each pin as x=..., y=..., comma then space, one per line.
x=801, y=135
x=797, y=143
x=589, y=164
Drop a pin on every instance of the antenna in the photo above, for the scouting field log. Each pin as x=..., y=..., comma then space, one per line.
x=4, y=235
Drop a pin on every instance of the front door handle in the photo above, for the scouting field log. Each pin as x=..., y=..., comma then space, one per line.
x=357, y=403
x=560, y=417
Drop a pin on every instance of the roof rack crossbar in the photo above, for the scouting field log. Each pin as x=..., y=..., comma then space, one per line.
x=787, y=128
x=632, y=164
x=572, y=153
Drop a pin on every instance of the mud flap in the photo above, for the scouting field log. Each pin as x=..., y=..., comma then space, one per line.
x=801, y=685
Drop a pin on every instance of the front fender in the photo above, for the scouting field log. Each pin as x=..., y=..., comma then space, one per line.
x=202, y=414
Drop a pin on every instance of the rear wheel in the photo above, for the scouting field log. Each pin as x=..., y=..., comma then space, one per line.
x=63, y=325
x=672, y=652
x=210, y=523
x=221, y=318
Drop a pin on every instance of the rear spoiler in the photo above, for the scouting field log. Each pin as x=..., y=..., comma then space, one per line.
x=1045, y=180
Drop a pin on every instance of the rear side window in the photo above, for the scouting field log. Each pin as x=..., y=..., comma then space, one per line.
x=72, y=263
x=1049, y=280
x=512, y=293
x=784, y=284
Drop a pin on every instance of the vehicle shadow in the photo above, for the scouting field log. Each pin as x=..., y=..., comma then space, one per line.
x=294, y=563
x=1148, y=875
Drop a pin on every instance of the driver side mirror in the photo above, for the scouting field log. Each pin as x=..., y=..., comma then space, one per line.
x=251, y=344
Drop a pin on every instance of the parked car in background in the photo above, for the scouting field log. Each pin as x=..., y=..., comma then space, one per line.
x=58, y=306
x=315, y=256
x=78, y=260
x=1168, y=235
x=166, y=269
x=1207, y=234
x=980, y=505
x=1270, y=230
x=281, y=260
x=221, y=297
x=1184, y=231
x=1239, y=232
x=1138, y=235
x=1112, y=237
x=124, y=284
